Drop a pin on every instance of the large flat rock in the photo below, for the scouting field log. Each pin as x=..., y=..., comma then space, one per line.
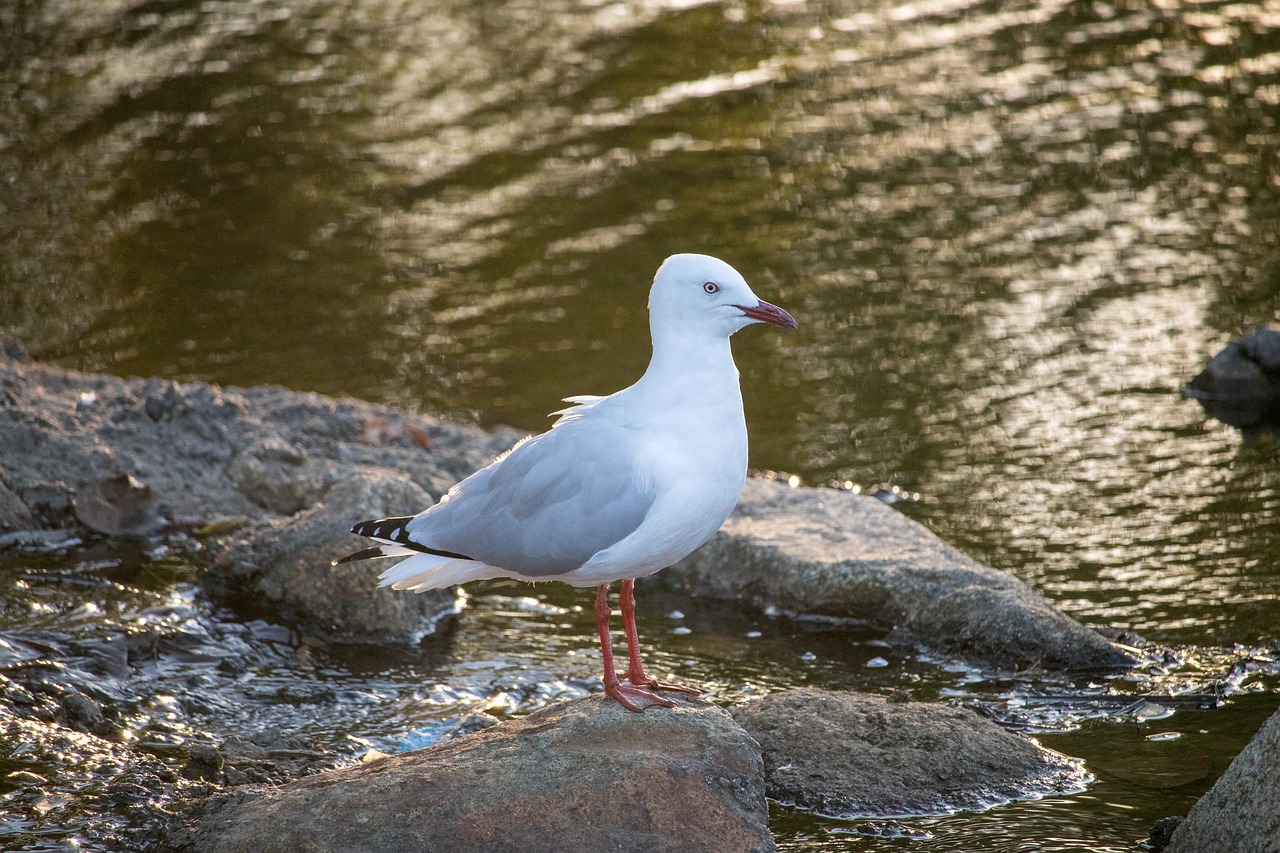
x=832, y=553
x=206, y=450
x=580, y=776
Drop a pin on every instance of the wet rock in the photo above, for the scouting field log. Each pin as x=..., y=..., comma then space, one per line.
x=469, y=724
x=14, y=514
x=49, y=501
x=850, y=754
x=283, y=566
x=78, y=711
x=119, y=506
x=258, y=455
x=822, y=551
x=1241, y=384
x=585, y=775
x=183, y=440
x=277, y=477
x=1241, y=812
x=13, y=350
x=1162, y=833
x=204, y=763
x=269, y=757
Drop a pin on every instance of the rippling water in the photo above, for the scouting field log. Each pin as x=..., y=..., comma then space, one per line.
x=1010, y=232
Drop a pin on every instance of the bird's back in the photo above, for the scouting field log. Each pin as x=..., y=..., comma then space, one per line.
x=550, y=504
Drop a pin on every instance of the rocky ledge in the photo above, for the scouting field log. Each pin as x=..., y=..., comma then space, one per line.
x=832, y=553
x=274, y=478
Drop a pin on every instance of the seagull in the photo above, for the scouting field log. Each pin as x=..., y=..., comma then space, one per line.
x=619, y=487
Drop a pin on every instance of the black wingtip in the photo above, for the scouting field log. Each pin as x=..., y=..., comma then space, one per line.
x=390, y=529
x=396, y=530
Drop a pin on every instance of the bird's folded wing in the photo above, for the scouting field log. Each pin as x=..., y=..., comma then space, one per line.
x=550, y=504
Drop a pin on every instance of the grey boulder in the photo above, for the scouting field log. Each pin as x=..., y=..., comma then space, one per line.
x=832, y=553
x=583, y=775
x=287, y=563
x=1241, y=812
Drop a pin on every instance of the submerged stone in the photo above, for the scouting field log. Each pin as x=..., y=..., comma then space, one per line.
x=118, y=506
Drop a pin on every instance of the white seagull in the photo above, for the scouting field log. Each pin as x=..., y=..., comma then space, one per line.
x=620, y=487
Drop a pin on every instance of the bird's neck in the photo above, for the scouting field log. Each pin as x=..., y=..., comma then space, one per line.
x=691, y=369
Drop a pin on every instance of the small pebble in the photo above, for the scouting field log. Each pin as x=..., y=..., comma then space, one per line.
x=753, y=634
x=25, y=777
x=876, y=663
x=682, y=630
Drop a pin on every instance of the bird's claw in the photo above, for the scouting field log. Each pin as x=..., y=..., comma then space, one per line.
x=636, y=697
x=655, y=684
x=637, y=676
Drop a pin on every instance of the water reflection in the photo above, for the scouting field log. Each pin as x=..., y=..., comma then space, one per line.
x=1011, y=231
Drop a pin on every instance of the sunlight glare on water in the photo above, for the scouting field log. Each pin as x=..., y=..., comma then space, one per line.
x=1010, y=233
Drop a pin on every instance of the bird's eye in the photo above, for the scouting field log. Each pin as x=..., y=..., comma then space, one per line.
x=711, y=287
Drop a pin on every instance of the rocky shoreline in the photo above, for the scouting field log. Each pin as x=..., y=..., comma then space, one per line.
x=269, y=480
x=294, y=470
x=588, y=775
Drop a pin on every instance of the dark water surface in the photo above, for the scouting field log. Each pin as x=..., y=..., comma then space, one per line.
x=1010, y=232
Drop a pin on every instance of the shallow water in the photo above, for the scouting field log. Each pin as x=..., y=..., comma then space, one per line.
x=130, y=627
x=1010, y=232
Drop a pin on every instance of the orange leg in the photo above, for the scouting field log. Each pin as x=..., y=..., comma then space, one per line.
x=635, y=668
x=635, y=696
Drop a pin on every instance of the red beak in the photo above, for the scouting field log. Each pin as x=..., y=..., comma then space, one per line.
x=766, y=313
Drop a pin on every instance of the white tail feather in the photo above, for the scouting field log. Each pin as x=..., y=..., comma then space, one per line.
x=422, y=572
x=389, y=550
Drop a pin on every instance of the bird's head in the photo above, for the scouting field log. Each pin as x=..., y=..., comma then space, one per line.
x=699, y=294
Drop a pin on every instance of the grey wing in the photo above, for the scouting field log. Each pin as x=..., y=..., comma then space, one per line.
x=547, y=506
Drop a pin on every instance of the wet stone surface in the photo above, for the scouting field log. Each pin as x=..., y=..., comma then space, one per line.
x=585, y=775
x=830, y=553
x=847, y=754
x=1240, y=385
x=285, y=474
x=1241, y=812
